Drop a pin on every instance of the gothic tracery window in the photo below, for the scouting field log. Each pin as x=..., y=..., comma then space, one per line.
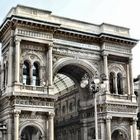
x=116, y=83
x=26, y=73
x=31, y=74
x=112, y=82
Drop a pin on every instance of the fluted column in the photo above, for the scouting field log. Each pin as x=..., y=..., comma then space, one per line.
x=51, y=126
x=134, y=129
x=108, y=128
x=16, y=124
x=17, y=59
x=50, y=73
x=105, y=61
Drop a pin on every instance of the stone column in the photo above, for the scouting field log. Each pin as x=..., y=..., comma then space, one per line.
x=102, y=129
x=31, y=74
x=116, y=87
x=131, y=77
x=1, y=74
x=108, y=128
x=40, y=75
x=16, y=124
x=131, y=131
x=17, y=59
x=4, y=135
x=51, y=126
x=9, y=127
x=10, y=60
x=128, y=79
x=105, y=61
x=83, y=133
x=50, y=72
x=134, y=129
x=95, y=116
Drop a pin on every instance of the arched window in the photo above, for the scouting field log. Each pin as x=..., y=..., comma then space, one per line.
x=112, y=82
x=26, y=73
x=36, y=80
x=120, y=83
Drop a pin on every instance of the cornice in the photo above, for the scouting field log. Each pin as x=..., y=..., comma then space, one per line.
x=59, y=31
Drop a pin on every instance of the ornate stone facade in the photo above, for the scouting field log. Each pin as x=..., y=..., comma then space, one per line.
x=43, y=54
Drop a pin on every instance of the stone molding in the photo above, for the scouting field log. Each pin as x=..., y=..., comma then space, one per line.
x=75, y=53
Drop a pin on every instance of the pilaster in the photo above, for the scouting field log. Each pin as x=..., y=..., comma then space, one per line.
x=103, y=129
x=17, y=59
x=10, y=60
x=51, y=126
x=50, y=71
x=108, y=127
x=134, y=125
x=105, y=63
x=16, y=124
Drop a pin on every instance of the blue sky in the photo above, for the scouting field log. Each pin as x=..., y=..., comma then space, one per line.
x=119, y=12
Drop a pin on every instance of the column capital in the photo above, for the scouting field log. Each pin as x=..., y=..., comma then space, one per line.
x=130, y=58
x=17, y=39
x=104, y=53
x=51, y=44
x=102, y=120
x=51, y=115
x=135, y=119
x=108, y=118
x=16, y=112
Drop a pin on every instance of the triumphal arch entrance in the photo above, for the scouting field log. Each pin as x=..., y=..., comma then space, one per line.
x=47, y=60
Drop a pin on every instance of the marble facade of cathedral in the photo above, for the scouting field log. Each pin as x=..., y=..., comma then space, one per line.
x=43, y=60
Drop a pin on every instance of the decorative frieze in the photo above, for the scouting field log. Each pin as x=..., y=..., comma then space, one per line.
x=117, y=48
x=32, y=47
x=28, y=101
x=34, y=34
x=118, y=108
x=31, y=116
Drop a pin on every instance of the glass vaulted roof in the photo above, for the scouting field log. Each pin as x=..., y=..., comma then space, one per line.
x=62, y=83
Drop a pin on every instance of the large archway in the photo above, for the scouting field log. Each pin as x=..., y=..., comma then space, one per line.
x=119, y=135
x=69, y=72
x=31, y=133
